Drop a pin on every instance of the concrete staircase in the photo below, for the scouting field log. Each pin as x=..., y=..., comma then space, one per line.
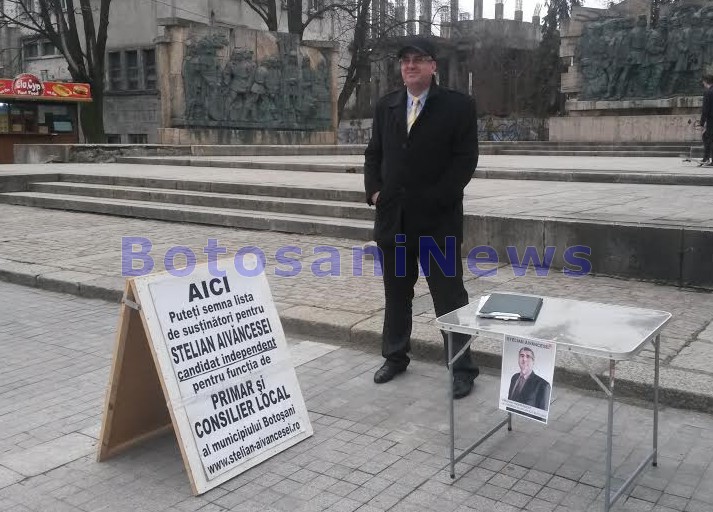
x=648, y=251
x=338, y=213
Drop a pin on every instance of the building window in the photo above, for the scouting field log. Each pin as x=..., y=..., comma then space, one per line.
x=115, y=71
x=138, y=138
x=132, y=70
x=27, y=6
x=149, y=63
x=113, y=138
x=48, y=48
x=37, y=118
x=30, y=49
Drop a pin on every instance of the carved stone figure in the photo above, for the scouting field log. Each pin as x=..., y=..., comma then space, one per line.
x=620, y=59
x=238, y=78
x=229, y=87
x=273, y=103
x=655, y=60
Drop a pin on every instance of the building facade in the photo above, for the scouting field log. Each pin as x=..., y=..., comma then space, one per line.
x=132, y=101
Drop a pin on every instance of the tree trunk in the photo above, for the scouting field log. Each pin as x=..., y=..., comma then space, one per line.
x=294, y=17
x=360, y=56
x=347, y=89
x=91, y=116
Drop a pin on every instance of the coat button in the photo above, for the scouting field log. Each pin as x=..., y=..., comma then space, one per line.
x=404, y=145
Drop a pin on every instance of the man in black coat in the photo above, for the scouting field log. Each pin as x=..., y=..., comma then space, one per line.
x=526, y=387
x=707, y=121
x=423, y=152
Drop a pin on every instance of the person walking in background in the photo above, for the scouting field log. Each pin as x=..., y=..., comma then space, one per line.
x=422, y=153
x=707, y=121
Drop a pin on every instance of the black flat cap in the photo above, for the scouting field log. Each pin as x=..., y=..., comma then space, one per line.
x=420, y=45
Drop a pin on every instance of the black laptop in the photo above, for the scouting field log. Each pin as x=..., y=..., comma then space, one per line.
x=511, y=307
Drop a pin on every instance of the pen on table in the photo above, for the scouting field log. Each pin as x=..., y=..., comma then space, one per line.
x=502, y=316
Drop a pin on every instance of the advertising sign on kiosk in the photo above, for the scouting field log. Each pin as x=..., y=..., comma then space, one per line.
x=37, y=112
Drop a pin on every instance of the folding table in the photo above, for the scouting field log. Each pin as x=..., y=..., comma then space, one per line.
x=616, y=333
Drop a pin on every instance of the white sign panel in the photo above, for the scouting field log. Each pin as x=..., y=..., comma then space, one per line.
x=227, y=370
x=526, y=378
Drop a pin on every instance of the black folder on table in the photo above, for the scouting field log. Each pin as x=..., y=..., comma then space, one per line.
x=511, y=307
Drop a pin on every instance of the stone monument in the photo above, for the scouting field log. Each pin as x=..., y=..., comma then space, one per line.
x=630, y=80
x=244, y=86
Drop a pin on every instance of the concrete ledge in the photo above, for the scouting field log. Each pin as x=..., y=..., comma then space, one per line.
x=639, y=178
x=672, y=254
x=43, y=153
x=19, y=182
x=642, y=252
x=611, y=129
x=697, y=256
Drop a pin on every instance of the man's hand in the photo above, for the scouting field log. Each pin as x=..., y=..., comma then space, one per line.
x=375, y=197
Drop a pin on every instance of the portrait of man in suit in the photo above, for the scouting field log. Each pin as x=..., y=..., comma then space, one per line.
x=526, y=387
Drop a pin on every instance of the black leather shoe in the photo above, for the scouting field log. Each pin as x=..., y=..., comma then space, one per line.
x=387, y=372
x=462, y=386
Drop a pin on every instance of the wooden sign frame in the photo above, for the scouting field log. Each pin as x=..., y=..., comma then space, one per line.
x=144, y=398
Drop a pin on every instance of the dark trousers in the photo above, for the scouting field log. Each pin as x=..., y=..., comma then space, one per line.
x=707, y=142
x=446, y=285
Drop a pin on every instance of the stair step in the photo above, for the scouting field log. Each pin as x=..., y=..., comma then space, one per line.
x=242, y=164
x=521, y=152
x=252, y=189
x=247, y=219
x=325, y=208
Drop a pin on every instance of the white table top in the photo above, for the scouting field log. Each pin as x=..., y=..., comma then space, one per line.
x=591, y=328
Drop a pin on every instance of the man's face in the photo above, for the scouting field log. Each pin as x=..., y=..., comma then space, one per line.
x=526, y=359
x=416, y=71
x=706, y=85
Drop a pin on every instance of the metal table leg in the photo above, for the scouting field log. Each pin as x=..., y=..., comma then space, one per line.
x=610, y=434
x=610, y=500
x=450, y=399
x=657, y=347
x=507, y=421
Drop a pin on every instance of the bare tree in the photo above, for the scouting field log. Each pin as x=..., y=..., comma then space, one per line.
x=360, y=54
x=369, y=36
x=298, y=19
x=79, y=35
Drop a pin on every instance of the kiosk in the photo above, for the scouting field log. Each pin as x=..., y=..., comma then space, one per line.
x=36, y=112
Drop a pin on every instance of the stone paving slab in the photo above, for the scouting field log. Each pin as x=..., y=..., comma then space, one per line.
x=81, y=254
x=50, y=455
x=374, y=447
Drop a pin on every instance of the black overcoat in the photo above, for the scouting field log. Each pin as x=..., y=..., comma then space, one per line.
x=421, y=175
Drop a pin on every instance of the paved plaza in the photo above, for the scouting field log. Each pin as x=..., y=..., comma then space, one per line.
x=81, y=253
x=374, y=448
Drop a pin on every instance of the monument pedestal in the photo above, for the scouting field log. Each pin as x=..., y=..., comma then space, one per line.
x=652, y=120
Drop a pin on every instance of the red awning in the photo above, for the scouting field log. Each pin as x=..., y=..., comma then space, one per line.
x=28, y=87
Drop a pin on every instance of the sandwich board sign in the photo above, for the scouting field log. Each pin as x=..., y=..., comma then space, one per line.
x=206, y=356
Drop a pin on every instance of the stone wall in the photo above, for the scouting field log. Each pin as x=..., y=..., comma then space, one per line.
x=234, y=85
x=617, y=129
x=132, y=114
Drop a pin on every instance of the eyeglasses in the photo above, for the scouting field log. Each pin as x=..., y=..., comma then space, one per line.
x=416, y=59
